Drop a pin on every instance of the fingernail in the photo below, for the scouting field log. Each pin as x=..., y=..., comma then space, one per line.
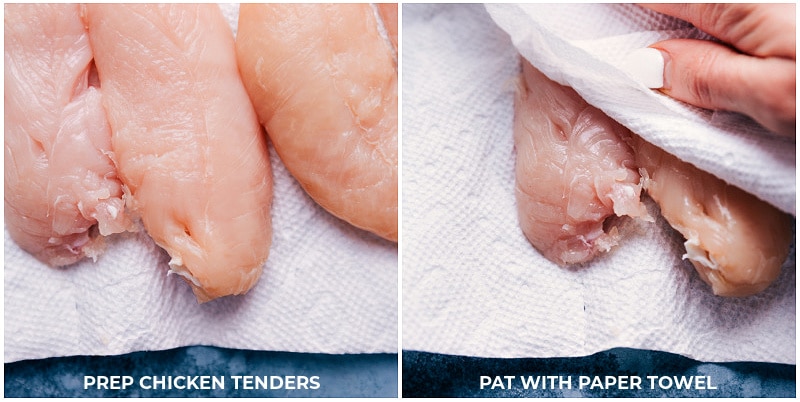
x=646, y=66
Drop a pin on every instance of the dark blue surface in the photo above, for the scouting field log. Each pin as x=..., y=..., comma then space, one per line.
x=436, y=375
x=366, y=375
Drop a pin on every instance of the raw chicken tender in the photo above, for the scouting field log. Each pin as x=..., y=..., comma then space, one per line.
x=573, y=172
x=186, y=139
x=736, y=242
x=324, y=84
x=62, y=193
x=388, y=13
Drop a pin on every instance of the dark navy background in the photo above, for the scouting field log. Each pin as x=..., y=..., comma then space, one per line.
x=436, y=375
x=366, y=375
x=375, y=375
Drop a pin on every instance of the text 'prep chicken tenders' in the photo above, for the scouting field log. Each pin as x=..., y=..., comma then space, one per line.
x=186, y=139
x=62, y=194
x=324, y=84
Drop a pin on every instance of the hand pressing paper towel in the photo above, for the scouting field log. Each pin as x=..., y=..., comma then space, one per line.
x=326, y=288
x=473, y=285
x=586, y=46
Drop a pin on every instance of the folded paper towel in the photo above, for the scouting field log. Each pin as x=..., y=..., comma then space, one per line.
x=586, y=46
x=473, y=285
x=327, y=287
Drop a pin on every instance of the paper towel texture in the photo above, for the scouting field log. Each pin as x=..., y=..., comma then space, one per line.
x=327, y=287
x=473, y=285
x=585, y=45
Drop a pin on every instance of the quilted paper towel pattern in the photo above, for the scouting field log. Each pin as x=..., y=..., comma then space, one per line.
x=472, y=284
x=585, y=46
x=326, y=288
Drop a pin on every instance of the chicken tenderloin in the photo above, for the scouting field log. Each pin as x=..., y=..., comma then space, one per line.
x=62, y=193
x=186, y=139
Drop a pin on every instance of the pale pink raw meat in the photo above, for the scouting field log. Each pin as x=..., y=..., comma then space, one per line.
x=573, y=172
x=324, y=84
x=736, y=242
x=62, y=193
x=186, y=139
x=388, y=13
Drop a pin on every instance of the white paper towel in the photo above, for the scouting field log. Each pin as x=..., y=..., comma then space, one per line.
x=585, y=46
x=327, y=287
x=473, y=285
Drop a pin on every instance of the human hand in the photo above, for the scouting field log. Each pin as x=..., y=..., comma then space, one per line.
x=753, y=71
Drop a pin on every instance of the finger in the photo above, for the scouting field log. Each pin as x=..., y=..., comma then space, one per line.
x=763, y=30
x=713, y=76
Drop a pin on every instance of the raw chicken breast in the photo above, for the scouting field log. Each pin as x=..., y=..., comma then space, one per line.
x=324, y=84
x=186, y=139
x=736, y=242
x=62, y=193
x=388, y=12
x=573, y=172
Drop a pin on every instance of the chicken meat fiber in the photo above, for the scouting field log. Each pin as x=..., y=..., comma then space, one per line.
x=736, y=242
x=574, y=173
x=62, y=193
x=323, y=81
x=186, y=139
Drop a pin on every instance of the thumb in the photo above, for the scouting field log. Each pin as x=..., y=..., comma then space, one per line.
x=713, y=76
